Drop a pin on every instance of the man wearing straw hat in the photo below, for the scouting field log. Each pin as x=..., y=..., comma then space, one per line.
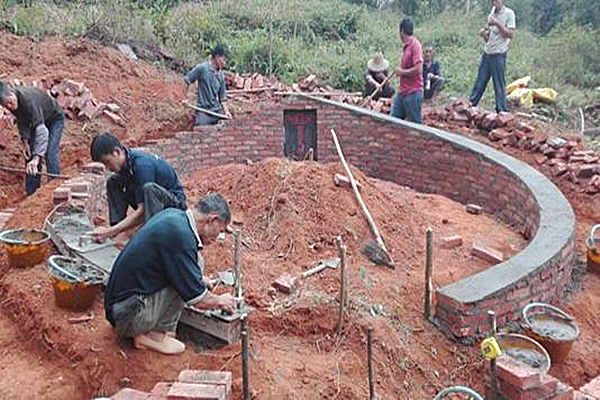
x=375, y=77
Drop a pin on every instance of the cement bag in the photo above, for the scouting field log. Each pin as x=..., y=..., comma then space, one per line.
x=519, y=83
x=546, y=95
x=522, y=96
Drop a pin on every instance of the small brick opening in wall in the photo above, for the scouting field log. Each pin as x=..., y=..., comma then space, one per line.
x=300, y=127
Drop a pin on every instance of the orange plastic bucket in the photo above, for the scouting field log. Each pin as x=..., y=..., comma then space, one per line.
x=25, y=247
x=593, y=252
x=76, y=285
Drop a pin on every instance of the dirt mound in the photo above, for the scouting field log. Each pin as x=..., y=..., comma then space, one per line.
x=149, y=98
x=289, y=214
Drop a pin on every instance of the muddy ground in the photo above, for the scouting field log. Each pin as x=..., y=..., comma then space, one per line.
x=291, y=213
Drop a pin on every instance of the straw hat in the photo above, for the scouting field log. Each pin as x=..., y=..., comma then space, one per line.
x=378, y=63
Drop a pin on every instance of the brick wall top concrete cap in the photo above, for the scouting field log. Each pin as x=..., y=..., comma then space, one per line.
x=556, y=223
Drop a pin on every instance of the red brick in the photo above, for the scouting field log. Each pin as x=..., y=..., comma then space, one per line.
x=517, y=374
x=160, y=391
x=547, y=389
x=486, y=253
x=94, y=168
x=540, y=158
x=286, y=283
x=451, y=242
x=474, y=209
x=586, y=171
x=592, y=388
x=343, y=181
x=130, y=394
x=196, y=391
x=61, y=194
x=564, y=392
x=222, y=378
x=581, y=396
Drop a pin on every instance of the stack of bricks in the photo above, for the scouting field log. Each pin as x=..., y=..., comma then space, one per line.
x=518, y=381
x=85, y=190
x=191, y=385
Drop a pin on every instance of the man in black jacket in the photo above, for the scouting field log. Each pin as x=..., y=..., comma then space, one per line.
x=432, y=77
x=40, y=121
x=160, y=270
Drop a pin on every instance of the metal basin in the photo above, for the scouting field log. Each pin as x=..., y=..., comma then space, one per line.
x=25, y=247
x=552, y=327
x=525, y=350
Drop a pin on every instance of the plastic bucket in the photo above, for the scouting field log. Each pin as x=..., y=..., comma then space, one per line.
x=593, y=252
x=525, y=350
x=25, y=247
x=553, y=328
x=76, y=285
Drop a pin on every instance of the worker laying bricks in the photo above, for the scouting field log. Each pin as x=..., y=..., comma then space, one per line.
x=141, y=180
x=160, y=270
x=212, y=93
x=40, y=121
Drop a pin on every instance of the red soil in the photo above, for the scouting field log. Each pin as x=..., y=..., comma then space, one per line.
x=290, y=213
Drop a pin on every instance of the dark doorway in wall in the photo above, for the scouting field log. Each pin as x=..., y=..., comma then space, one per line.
x=300, y=133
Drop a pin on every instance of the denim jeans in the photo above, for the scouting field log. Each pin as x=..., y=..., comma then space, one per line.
x=408, y=107
x=32, y=183
x=494, y=66
x=138, y=314
x=156, y=199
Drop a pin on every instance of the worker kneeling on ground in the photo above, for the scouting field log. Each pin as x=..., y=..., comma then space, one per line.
x=40, y=121
x=160, y=270
x=141, y=180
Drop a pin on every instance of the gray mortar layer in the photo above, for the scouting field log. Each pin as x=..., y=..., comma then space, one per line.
x=556, y=223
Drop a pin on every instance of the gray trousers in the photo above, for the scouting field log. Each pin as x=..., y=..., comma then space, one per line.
x=156, y=199
x=158, y=312
x=205, y=119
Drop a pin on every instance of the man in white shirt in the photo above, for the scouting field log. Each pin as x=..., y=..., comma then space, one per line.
x=497, y=35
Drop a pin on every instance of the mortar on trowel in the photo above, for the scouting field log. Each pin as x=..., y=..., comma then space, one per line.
x=593, y=252
x=552, y=328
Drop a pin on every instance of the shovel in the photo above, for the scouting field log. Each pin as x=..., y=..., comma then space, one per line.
x=332, y=263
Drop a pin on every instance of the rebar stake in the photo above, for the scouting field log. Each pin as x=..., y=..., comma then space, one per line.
x=245, y=382
x=428, y=273
x=494, y=379
x=370, y=360
x=343, y=294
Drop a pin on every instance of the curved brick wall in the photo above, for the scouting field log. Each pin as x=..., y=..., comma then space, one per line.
x=431, y=161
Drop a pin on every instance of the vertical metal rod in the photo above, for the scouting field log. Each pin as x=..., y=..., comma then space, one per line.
x=370, y=361
x=428, y=273
x=494, y=379
x=245, y=382
x=343, y=294
x=237, y=267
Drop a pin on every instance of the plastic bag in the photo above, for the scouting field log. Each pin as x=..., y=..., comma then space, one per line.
x=546, y=95
x=523, y=96
x=519, y=83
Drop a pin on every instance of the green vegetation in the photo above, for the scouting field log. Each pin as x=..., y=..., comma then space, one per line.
x=333, y=38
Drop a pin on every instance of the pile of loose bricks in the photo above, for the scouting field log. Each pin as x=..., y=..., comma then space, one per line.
x=564, y=157
x=517, y=381
x=85, y=190
x=191, y=385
